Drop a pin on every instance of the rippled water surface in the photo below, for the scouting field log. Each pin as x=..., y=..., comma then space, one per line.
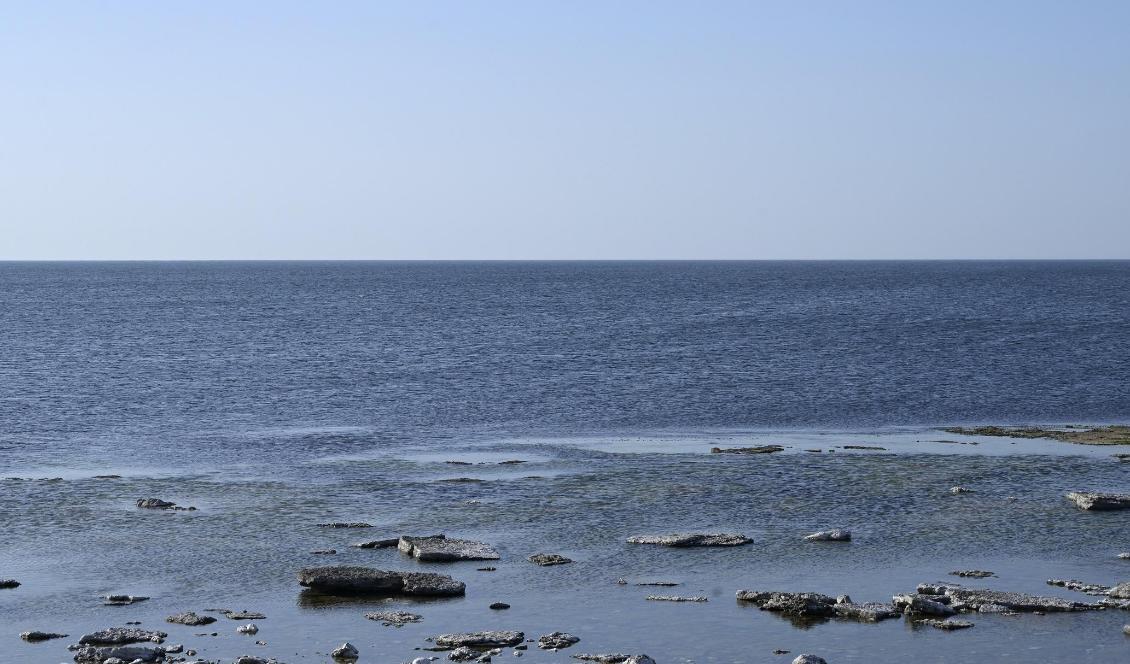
x=277, y=396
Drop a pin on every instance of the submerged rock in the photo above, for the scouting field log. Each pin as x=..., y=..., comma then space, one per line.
x=323, y=552
x=865, y=447
x=114, y=636
x=675, y=598
x=973, y=573
x=385, y=543
x=158, y=504
x=346, y=651
x=947, y=624
x=557, y=641
x=833, y=535
x=394, y=618
x=35, y=636
x=548, y=559
x=123, y=600
x=615, y=658
x=760, y=449
x=692, y=539
x=9, y=583
x=438, y=548
x=1099, y=501
x=960, y=489
x=479, y=639
x=345, y=524
x=356, y=580
x=499, y=606
x=191, y=619
x=799, y=605
x=243, y=615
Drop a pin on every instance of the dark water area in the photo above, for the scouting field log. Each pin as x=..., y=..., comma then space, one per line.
x=274, y=396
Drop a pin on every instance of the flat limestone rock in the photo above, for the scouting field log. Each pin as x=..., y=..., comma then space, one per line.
x=922, y=605
x=357, y=580
x=479, y=639
x=615, y=658
x=865, y=612
x=557, y=641
x=675, y=598
x=243, y=615
x=191, y=619
x=759, y=449
x=394, y=618
x=123, y=600
x=807, y=658
x=548, y=559
x=681, y=540
x=1092, y=501
x=93, y=655
x=972, y=573
x=37, y=636
x=441, y=549
x=833, y=535
x=115, y=636
x=996, y=601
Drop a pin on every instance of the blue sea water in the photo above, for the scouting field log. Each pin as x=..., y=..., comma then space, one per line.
x=274, y=396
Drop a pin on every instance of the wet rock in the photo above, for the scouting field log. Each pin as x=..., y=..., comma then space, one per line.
x=243, y=615
x=548, y=559
x=346, y=651
x=674, y=598
x=615, y=658
x=921, y=605
x=123, y=600
x=356, y=580
x=486, y=569
x=557, y=641
x=1121, y=591
x=799, y=605
x=511, y=462
x=479, y=639
x=385, y=543
x=191, y=619
x=123, y=653
x=665, y=584
x=249, y=628
x=155, y=504
x=971, y=599
x=1124, y=556
x=1099, y=501
x=947, y=624
x=833, y=535
x=972, y=573
x=115, y=636
x=251, y=659
x=37, y=636
x=9, y=583
x=499, y=606
x=439, y=548
x=345, y=524
x=1116, y=434
x=1079, y=586
x=424, y=660
x=394, y=618
x=760, y=449
x=865, y=447
x=692, y=539
x=865, y=612
x=808, y=659
x=324, y=552
x=463, y=654
x=462, y=480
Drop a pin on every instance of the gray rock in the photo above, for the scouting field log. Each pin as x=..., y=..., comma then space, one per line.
x=548, y=559
x=123, y=600
x=947, y=624
x=115, y=636
x=921, y=605
x=251, y=659
x=155, y=504
x=809, y=659
x=1079, y=586
x=1124, y=555
x=557, y=640
x=345, y=524
x=356, y=580
x=799, y=605
x=243, y=615
x=865, y=612
x=249, y=628
x=96, y=655
x=394, y=618
x=759, y=449
x=479, y=639
x=675, y=598
x=439, y=548
x=972, y=599
x=37, y=636
x=463, y=654
x=9, y=583
x=615, y=658
x=346, y=651
x=960, y=489
x=386, y=543
x=972, y=573
x=1126, y=630
x=499, y=606
x=1121, y=591
x=191, y=619
x=692, y=539
x=323, y=552
x=1099, y=501
x=834, y=535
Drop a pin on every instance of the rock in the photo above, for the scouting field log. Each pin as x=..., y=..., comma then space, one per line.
x=1079, y=586
x=1121, y=591
x=346, y=651
x=1126, y=630
x=324, y=552
x=191, y=619
x=95, y=655
x=556, y=641
x=1116, y=434
x=960, y=489
x=386, y=543
x=799, y=605
x=243, y=615
x=1099, y=501
x=9, y=583
x=834, y=535
x=345, y=524
x=1124, y=556
x=921, y=605
x=356, y=580
x=36, y=636
x=972, y=599
x=249, y=628
x=948, y=624
x=760, y=449
x=463, y=654
x=809, y=659
x=548, y=559
x=441, y=549
x=616, y=659
x=251, y=659
x=674, y=598
x=155, y=504
x=486, y=569
x=665, y=584
x=499, y=606
x=479, y=639
x=123, y=600
x=972, y=573
x=115, y=636
x=173, y=648
x=865, y=612
x=864, y=447
x=692, y=539
x=424, y=660
x=395, y=618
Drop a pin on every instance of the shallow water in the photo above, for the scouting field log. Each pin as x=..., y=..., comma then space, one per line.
x=275, y=396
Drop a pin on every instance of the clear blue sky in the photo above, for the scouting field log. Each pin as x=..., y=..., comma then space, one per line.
x=163, y=130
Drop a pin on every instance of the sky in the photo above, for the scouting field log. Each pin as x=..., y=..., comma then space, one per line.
x=564, y=130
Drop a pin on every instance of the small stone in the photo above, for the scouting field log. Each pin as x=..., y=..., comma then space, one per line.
x=809, y=659
x=548, y=559
x=960, y=489
x=499, y=606
x=243, y=615
x=345, y=524
x=1124, y=556
x=973, y=573
x=249, y=628
x=346, y=651
x=123, y=600
x=155, y=504
x=556, y=641
x=462, y=654
x=324, y=552
x=9, y=583
x=948, y=624
x=191, y=619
